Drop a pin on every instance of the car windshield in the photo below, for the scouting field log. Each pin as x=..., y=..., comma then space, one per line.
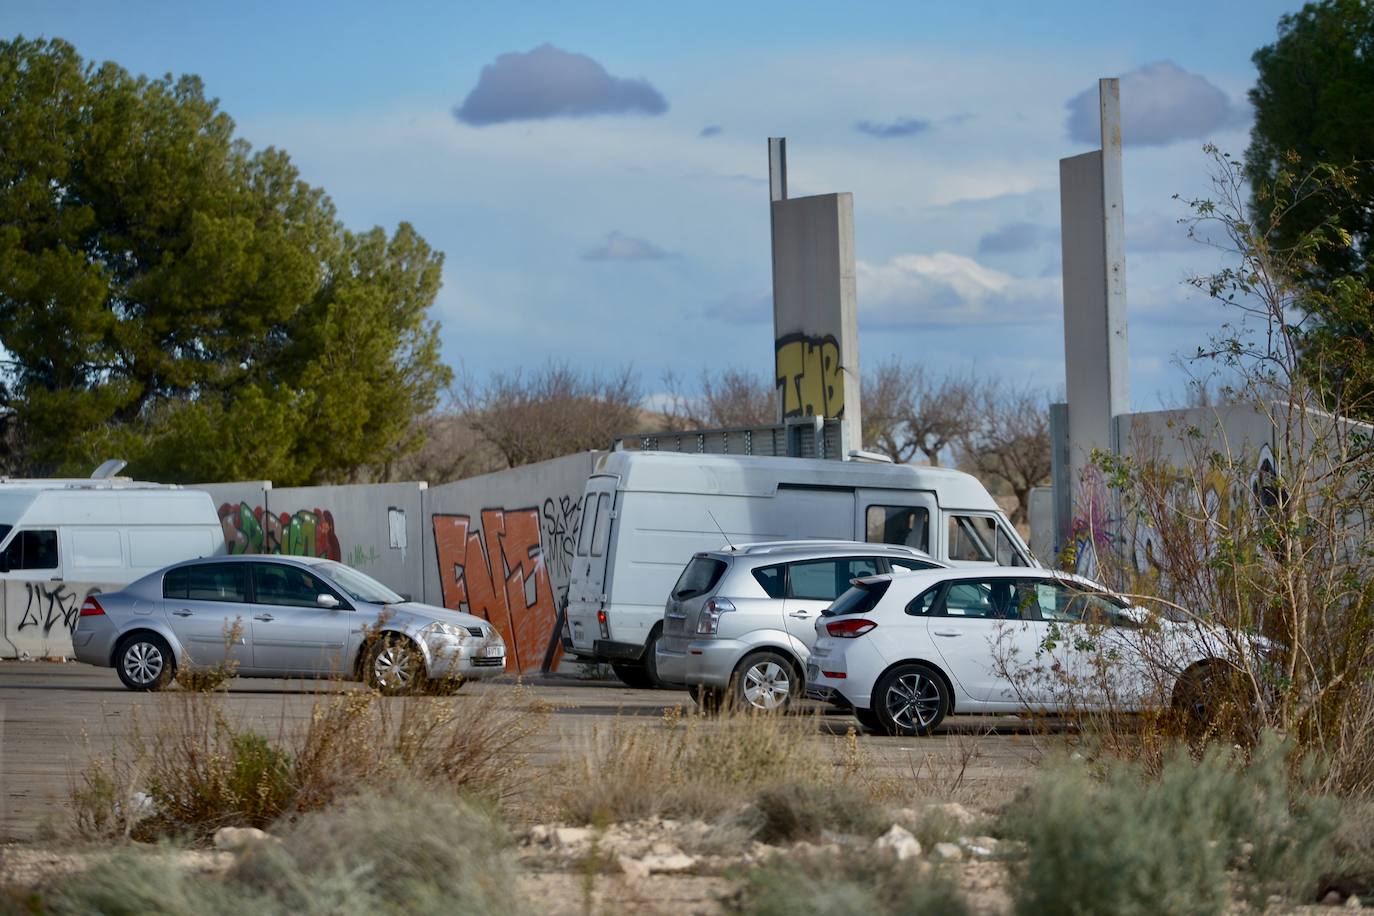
x=358, y=586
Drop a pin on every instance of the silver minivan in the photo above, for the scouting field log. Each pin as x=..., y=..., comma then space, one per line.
x=740, y=622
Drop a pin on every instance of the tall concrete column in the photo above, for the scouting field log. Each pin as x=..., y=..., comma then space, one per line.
x=1094, y=252
x=815, y=304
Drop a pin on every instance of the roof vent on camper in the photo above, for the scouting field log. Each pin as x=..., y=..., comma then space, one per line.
x=109, y=468
x=858, y=454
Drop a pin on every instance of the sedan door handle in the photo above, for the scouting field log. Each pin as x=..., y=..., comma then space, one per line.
x=181, y=613
x=801, y=614
x=947, y=633
x=263, y=617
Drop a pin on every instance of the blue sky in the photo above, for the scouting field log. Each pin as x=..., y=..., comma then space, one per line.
x=635, y=230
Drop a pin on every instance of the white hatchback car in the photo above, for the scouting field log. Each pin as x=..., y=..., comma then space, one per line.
x=905, y=651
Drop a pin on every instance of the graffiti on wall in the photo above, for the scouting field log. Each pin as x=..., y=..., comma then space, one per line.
x=304, y=533
x=1095, y=530
x=497, y=570
x=48, y=605
x=810, y=379
x=562, y=521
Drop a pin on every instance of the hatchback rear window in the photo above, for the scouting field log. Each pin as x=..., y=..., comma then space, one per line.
x=700, y=576
x=860, y=599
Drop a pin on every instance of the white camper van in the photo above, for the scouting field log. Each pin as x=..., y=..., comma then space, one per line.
x=644, y=514
x=61, y=540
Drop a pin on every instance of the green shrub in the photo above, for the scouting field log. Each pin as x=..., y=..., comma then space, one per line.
x=848, y=884
x=796, y=810
x=1127, y=844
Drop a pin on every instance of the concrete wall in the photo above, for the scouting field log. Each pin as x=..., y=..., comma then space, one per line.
x=815, y=311
x=500, y=546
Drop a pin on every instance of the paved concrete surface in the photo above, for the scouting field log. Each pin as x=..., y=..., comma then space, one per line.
x=54, y=716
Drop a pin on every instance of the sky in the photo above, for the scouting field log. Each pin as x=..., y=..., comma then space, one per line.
x=596, y=173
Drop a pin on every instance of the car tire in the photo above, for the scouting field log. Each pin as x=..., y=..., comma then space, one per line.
x=144, y=662
x=709, y=699
x=765, y=682
x=1194, y=699
x=868, y=719
x=394, y=666
x=642, y=675
x=910, y=700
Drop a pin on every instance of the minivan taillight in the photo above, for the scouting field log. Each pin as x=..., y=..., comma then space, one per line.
x=709, y=621
x=849, y=627
x=91, y=607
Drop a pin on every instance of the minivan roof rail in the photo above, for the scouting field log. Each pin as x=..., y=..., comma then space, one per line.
x=757, y=547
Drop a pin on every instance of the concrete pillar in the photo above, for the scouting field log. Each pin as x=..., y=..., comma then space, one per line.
x=815, y=304
x=1094, y=252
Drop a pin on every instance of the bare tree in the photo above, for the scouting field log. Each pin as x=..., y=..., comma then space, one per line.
x=1010, y=441
x=556, y=410
x=910, y=413
x=452, y=450
x=729, y=399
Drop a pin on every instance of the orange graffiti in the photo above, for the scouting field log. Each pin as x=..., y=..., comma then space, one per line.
x=499, y=574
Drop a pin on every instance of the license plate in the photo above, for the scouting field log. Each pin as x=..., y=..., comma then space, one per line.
x=493, y=651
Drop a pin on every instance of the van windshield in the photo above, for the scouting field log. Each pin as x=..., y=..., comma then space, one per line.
x=5, y=532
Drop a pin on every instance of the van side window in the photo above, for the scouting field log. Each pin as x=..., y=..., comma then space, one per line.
x=586, y=524
x=905, y=525
x=32, y=550
x=602, y=534
x=971, y=538
x=1007, y=554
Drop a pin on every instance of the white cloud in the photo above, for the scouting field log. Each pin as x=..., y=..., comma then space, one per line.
x=1160, y=103
x=949, y=289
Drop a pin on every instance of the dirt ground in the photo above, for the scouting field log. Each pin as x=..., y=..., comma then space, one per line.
x=53, y=716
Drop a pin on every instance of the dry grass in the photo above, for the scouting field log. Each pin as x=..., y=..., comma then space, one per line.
x=197, y=769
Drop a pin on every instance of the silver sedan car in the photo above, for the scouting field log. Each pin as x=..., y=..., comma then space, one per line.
x=270, y=616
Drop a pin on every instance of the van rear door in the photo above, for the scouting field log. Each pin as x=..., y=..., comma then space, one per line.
x=587, y=582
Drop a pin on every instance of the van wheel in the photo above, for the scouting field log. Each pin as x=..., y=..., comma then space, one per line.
x=145, y=662
x=910, y=700
x=765, y=681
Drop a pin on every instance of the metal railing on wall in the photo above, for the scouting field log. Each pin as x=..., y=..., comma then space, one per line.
x=804, y=437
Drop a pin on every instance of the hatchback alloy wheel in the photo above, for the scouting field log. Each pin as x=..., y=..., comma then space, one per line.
x=911, y=699
x=765, y=682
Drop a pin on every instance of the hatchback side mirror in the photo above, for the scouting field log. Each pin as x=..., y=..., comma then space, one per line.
x=328, y=601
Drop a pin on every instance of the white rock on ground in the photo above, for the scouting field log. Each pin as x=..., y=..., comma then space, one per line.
x=949, y=852
x=633, y=868
x=571, y=837
x=899, y=842
x=673, y=863
x=955, y=812
x=237, y=838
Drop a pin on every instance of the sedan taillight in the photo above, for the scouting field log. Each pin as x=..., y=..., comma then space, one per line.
x=91, y=607
x=849, y=627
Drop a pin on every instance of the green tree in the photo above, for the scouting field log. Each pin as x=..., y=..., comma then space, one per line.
x=1314, y=106
x=171, y=296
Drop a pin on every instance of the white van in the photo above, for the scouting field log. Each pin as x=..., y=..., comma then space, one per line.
x=61, y=540
x=644, y=514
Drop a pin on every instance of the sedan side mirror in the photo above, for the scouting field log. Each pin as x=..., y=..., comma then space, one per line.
x=328, y=601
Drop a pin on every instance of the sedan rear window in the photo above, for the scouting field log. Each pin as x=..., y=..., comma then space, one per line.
x=700, y=576
x=860, y=599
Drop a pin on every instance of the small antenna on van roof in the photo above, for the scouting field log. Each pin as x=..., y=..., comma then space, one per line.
x=720, y=529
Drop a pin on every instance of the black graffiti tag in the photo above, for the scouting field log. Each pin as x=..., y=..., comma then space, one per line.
x=48, y=605
x=561, y=521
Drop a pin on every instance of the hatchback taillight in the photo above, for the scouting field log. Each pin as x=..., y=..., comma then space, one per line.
x=849, y=627
x=709, y=621
x=91, y=607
